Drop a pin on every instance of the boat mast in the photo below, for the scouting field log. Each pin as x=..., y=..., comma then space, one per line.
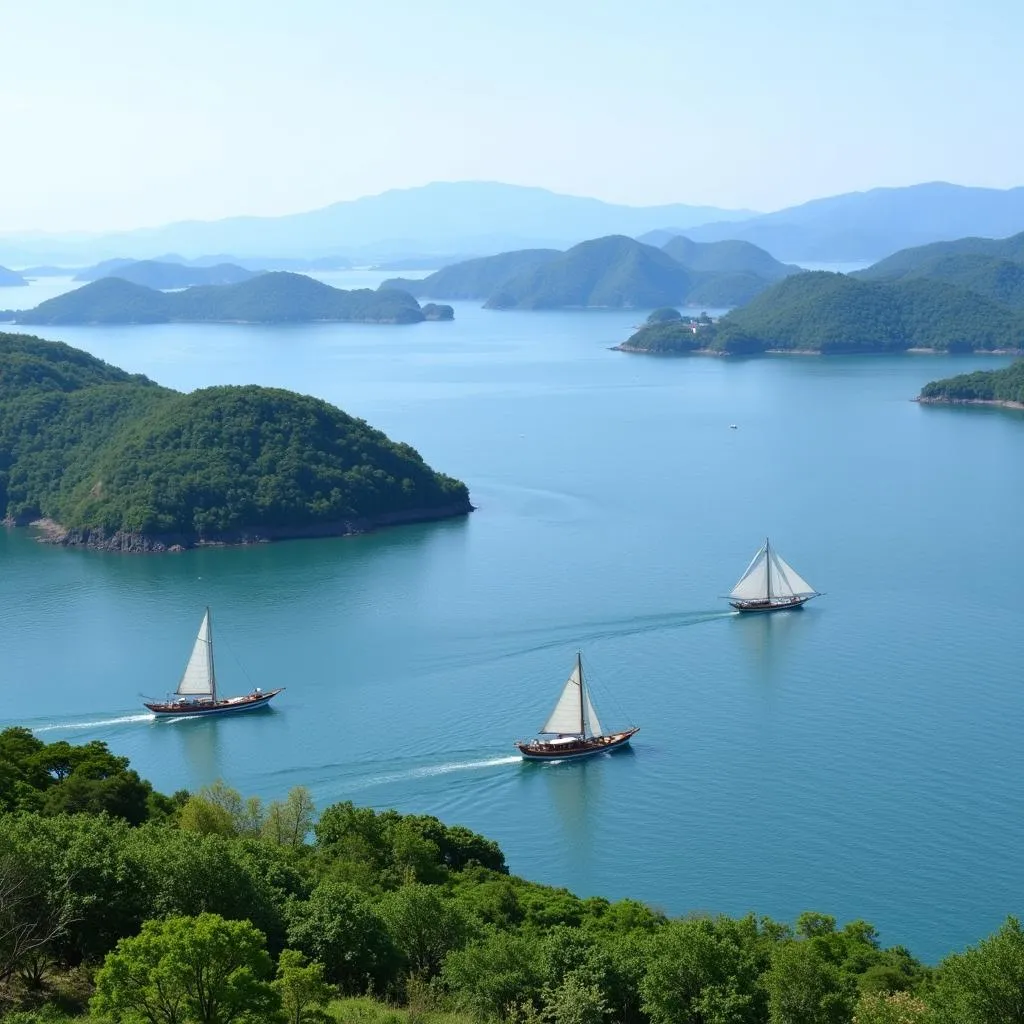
x=209, y=655
x=579, y=672
x=768, y=560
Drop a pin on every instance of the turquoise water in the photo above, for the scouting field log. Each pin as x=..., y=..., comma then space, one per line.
x=862, y=757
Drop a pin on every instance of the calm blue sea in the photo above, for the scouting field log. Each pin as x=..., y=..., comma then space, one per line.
x=862, y=757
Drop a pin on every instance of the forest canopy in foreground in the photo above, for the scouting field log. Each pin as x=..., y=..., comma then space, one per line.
x=120, y=904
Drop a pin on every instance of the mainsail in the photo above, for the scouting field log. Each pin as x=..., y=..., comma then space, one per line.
x=574, y=714
x=770, y=576
x=199, y=679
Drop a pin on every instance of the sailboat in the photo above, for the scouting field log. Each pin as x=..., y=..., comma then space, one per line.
x=770, y=584
x=574, y=726
x=197, y=691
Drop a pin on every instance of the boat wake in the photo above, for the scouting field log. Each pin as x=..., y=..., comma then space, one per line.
x=461, y=766
x=431, y=770
x=95, y=724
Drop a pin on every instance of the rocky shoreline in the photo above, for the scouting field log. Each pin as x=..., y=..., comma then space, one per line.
x=999, y=403
x=50, y=532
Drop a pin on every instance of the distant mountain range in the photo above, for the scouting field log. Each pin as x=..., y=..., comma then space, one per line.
x=277, y=297
x=610, y=272
x=466, y=216
x=489, y=217
x=871, y=225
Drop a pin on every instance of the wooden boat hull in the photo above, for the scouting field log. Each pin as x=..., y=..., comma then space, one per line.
x=539, y=750
x=769, y=606
x=203, y=709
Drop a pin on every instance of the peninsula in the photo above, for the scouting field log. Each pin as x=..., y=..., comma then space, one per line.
x=101, y=458
x=11, y=279
x=985, y=387
x=279, y=297
x=835, y=314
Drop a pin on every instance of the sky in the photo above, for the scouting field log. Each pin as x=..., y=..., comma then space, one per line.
x=127, y=113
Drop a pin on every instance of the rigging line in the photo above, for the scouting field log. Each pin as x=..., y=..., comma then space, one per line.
x=222, y=642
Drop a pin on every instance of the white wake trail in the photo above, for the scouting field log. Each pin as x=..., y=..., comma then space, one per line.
x=99, y=723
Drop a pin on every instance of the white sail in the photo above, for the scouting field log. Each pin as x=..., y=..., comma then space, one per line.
x=786, y=581
x=198, y=679
x=593, y=722
x=753, y=584
x=567, y=718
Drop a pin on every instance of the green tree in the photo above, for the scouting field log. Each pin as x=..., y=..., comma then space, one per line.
x=576, y=1000
x=701, y=972
x=890, y=1008
x=188, y=969
x=425, y=925
x=338, y=926
x=984, y=984
x=495, y=976
x=805, y=988
x=302, y=990
x=288, y=822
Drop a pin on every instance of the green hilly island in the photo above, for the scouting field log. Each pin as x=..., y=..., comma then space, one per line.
x=838, y=314
x=985, y=387
x=279, y=297
x=611, y=272
x=115, y=461
x=476, y=278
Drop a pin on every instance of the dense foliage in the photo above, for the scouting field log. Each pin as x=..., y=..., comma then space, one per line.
x=97, y=449
x=279, y=297
x=834, y=313
x=210, y=911
x=983, y=386
x=155, y=274
x=995, y=278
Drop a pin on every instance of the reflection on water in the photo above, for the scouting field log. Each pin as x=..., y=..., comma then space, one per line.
x=769, y=640
x=200, y=745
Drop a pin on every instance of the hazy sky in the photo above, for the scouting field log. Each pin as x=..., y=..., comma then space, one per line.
x=122, y=113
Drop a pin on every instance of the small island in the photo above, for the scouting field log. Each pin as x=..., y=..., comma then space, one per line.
x=279, y=297
x=1003, y=388
x=101, y=458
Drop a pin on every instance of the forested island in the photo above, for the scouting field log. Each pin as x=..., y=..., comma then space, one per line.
x=611, y=273
x=163, y=275
x=985, y=387
x=828, y=313
x=103, y=458
x=279, y=297
x=120, y=904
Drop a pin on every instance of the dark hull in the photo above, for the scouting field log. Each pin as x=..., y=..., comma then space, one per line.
x=769, y=606
x=202, y=709
x=540, y=750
